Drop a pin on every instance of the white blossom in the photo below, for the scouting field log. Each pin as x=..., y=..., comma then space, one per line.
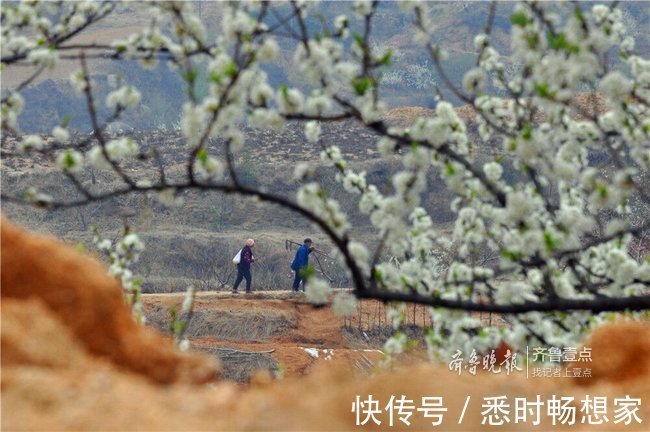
x=188, y=300
x=386, y=146
x=95, y=158
x=70, y=161
x=60, y=134
x=474, y=80
x=362, y=7
x=193, y=123
x=615, y=86
x=290, y=101
x=30, y=142
x=493, y=170
x=302, y=170
x=262, y=118
x=317, y=291
x=122, y=148
x=344, y=304
x=170, y=198
x=317, y=104
x=312, y=131
x=104, y=245
x=184, y=345
x=78, y=81
x=341, y=25
x=11, y=109
x=44, y=57
x=268, y=50
x=347, y=70
x=395, y=345
x=359, y=253
x=210, y=167
x=125, y=97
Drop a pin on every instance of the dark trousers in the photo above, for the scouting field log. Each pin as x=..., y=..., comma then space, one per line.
x=296, y=281
x=243, y=272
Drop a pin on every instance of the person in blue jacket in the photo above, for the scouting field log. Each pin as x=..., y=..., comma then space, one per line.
x=300, y=261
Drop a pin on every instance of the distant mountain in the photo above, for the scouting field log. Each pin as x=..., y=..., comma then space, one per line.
x=410, y=81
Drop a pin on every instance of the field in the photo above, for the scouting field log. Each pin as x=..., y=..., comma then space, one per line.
x=270, y=330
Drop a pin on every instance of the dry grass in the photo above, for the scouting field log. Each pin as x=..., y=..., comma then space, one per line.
x=254, y=326
x=242, y=326
x=238, y=365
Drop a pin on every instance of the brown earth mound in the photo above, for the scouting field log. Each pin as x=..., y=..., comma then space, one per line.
x=54, y=379
x=623, y=353
x=79, y=292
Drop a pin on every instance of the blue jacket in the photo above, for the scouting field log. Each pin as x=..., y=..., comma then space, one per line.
x=301, y=259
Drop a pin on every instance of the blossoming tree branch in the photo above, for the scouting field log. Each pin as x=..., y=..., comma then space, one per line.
x=561, y=231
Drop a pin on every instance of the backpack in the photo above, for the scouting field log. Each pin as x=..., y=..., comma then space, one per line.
x=237, y=258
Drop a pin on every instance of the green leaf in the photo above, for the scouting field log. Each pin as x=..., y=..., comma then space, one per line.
x=532, y=40
x=68, y=162
x=527, y=132
x=560, y=42
x=557, y=42
x=179, y=326
x=358, y=38
x=231, y=69
x=412, y=344
x=549, y=241
x=608, y=29
x=511, y=255
x=386, y=59
x=361, y=85
x=307, y=272
x=449, y=169
x=519, y=18
x=202, y=155
x=191, y=75
x=542, y=90
x=215, y=78
x=578, y=14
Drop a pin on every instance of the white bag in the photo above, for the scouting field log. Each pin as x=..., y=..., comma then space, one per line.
x=237, y=258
